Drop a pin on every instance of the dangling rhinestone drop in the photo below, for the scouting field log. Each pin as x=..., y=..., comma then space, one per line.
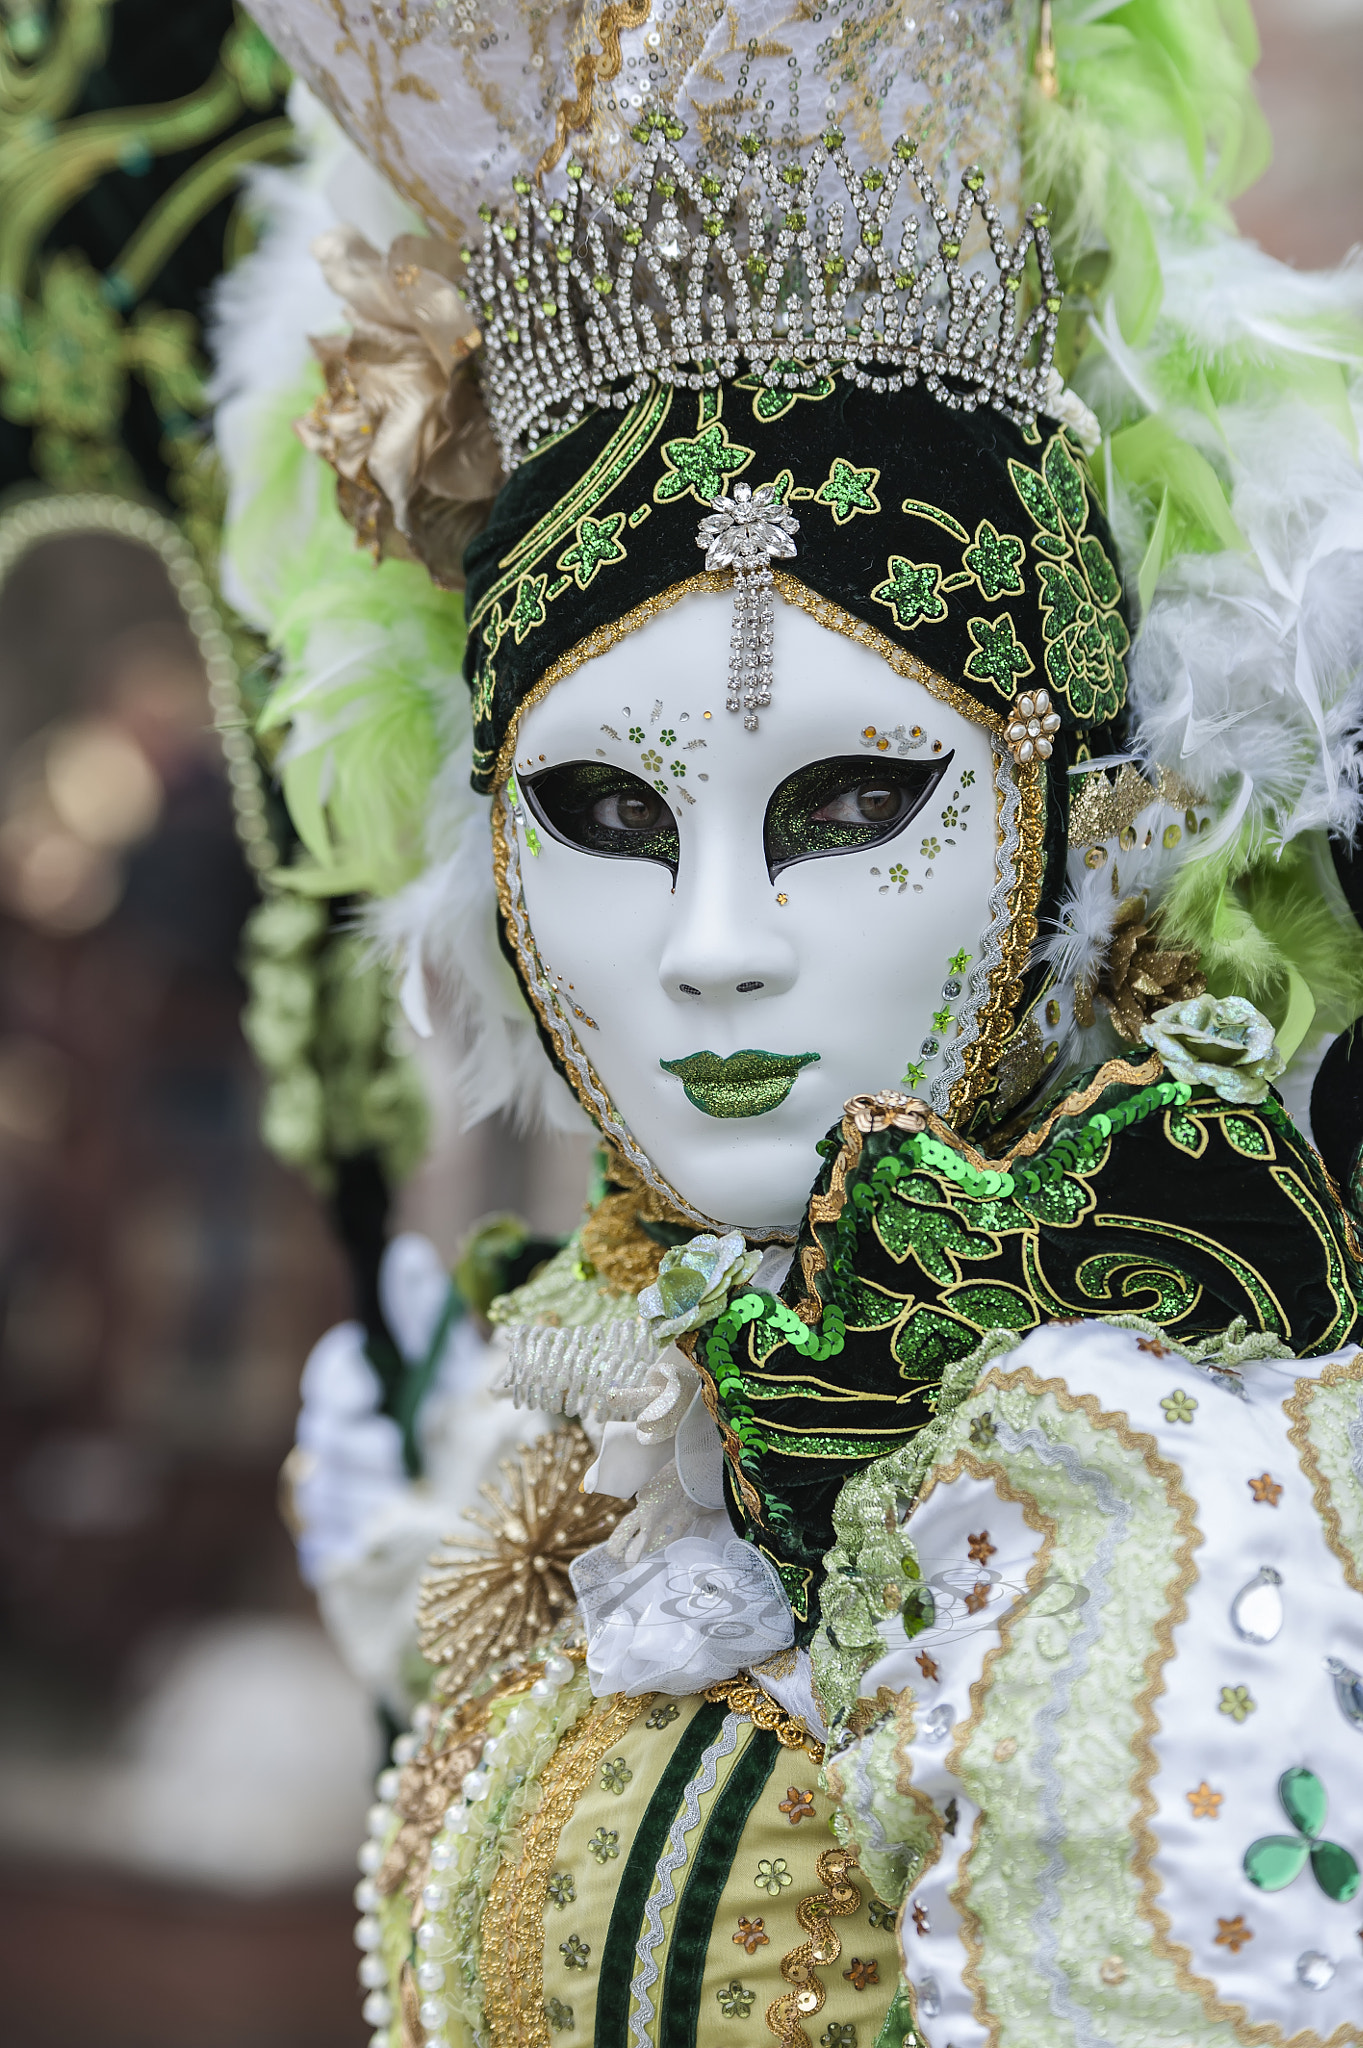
x=746, y=533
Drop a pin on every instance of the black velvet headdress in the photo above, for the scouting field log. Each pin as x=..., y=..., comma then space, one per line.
x=963, y=539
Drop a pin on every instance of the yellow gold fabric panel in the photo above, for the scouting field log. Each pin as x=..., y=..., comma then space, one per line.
x=514, y=1919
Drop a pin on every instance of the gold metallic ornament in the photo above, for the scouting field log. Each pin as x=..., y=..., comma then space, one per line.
x=1139, y=975
x=482, y=1600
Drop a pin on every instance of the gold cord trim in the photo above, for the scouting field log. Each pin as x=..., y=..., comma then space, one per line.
x=513, y=1919
x=575, y=114
x=741, y=1697
x=998, y=1017
x=824, y=1946
x=1297, y=1408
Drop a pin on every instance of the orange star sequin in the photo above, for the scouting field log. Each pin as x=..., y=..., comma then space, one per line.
x=861, y=1974
x=1233, y=1934
x=797, y=1805
x=920, y=1918
x=981, y=1549
x=750, y=1935
x=928, y=1665
x=1266, y=1489
x=1205, y=1803
x=977, y=1596
x=1153, y=1346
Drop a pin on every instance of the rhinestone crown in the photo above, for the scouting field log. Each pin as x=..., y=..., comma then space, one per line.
x=757, y=269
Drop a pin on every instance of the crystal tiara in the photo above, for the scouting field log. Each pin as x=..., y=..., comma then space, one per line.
x=751, y=270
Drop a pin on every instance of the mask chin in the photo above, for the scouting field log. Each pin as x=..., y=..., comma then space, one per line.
x=727, y=933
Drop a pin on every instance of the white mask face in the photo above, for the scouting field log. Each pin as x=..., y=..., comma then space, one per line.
x=833, y=875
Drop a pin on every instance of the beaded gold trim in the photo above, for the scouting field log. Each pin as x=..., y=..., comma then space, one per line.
x=824, y=1946
x=513, y=1919
x=742, y=1697
x=998, y=1017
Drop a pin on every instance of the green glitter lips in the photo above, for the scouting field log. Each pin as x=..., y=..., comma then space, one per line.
x=748, y=1083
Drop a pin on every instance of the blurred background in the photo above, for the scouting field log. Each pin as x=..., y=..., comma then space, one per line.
x=184, y=1765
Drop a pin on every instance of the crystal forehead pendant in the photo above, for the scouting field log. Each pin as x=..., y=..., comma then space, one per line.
x=746, y=533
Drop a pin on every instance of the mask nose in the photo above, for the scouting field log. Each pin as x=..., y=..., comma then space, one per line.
x=725, y=943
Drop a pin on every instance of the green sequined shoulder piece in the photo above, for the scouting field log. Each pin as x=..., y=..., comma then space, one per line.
x=1140, y=1197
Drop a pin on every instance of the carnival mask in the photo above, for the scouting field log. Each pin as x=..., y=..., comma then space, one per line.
x=748, y=927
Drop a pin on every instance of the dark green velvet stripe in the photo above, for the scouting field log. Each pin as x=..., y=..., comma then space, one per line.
x=636, y=1879
x=679, y=2006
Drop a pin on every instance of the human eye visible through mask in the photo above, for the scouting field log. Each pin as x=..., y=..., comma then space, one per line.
x=844, y=804
x=605, y=810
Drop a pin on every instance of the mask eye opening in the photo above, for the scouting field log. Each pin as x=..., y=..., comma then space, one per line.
x=565, y=799
x=791, y=831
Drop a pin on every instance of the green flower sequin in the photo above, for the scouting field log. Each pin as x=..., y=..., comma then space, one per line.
x=995, y=561
x=840, y=2034
x=847, y=491
x=879, y=1914
x=912, y=591
x=773, y=1876
x=1000, y=657
x=615, y=1775
x=1237, y=1702
x=982, y=1431
x=735, y=2000
x=663, y=1717
x=604, y=1844
x=575, y=1952
x=562, y=1889
x=1178, y=1406
x=559, y=2016
x=1275, y=1861
x=701, y=465
x=597, y=542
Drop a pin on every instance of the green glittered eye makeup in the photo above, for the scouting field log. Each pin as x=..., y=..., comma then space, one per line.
x=603, y=809
x=844, y=804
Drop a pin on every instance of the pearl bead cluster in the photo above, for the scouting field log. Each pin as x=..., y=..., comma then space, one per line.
x=434, y=1945
x=570, y=323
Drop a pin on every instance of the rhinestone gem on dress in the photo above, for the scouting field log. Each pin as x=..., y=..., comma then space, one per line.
x=1256, y=1612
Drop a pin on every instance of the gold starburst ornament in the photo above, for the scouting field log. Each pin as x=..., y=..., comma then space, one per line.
x=490, y=1597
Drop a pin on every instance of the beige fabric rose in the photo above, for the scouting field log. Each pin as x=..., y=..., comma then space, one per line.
x=402, y=421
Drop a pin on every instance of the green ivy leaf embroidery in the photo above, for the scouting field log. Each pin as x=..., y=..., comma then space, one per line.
x=995, y=561
x=1036, y=496
x=528, y=611
x=1067, y=484
x=847, y=491
x=597, y=542
x=1102, y=577
x=1000, y=657
x=912, y=591
x=701, y=465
